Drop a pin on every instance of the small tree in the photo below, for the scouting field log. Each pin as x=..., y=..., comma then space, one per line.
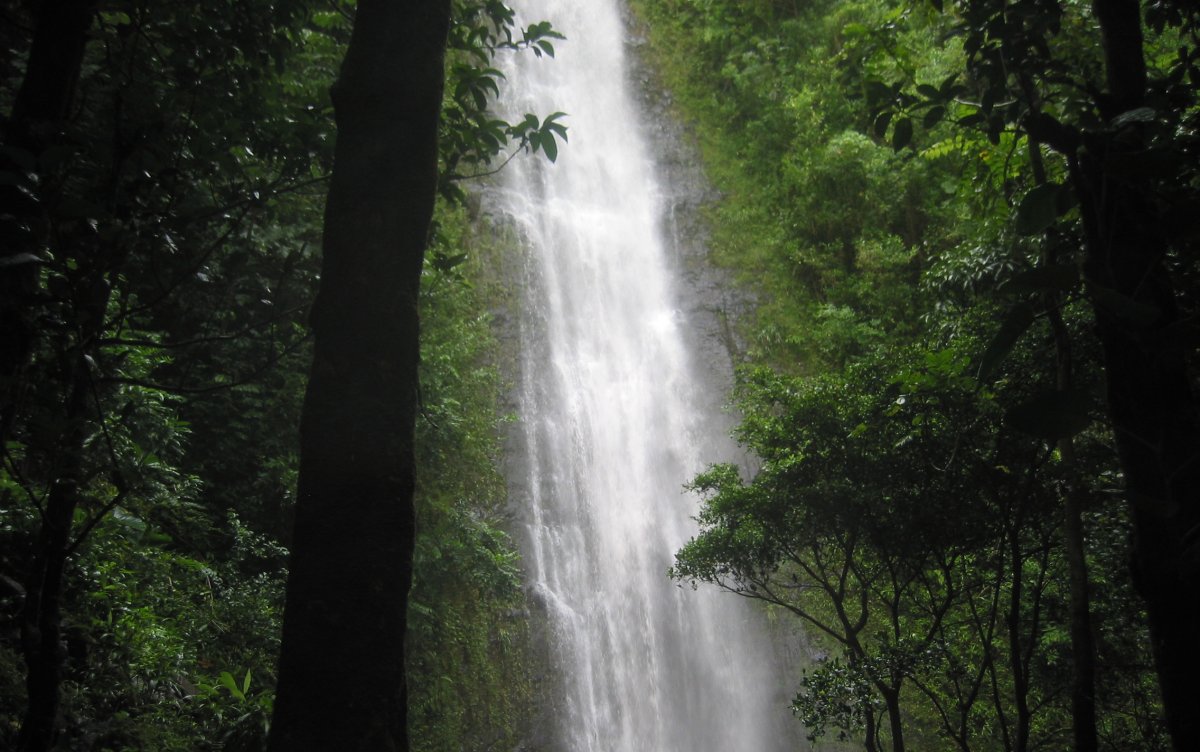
x=891, y=514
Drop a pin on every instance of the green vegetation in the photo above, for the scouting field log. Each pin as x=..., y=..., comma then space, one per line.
x=471, y=666
x=970, y=227
x=938, y=206
x=161, y=198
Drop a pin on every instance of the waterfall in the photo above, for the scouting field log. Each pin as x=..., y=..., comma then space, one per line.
x=614, y=419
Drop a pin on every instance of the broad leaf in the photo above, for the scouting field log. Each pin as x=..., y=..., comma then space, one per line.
x=902, y=133
x=230, y=683
x=1038, y=209
x=1014, y=325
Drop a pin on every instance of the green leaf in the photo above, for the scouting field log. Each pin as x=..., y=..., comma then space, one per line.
x=549, y=146
x=1038, y=209
x=327, y=19
x=230, y=683
x=974, y=118
x=1019, y=318
x=902, y=133
x=1052, y=415
x=1139, y=115
x=19, y=259
x=882, y=122
x=995, y=127
x=116, y=18
x=444, y=263
x=878, y=93
x=551, y=125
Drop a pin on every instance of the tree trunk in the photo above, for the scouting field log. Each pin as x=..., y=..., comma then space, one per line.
x=38, y=116
x=41, y=616
x=1153, y=415
x=341, y=671
x=1083, y=649
x=891, y=699
x=1150, y=400
x=36, y=121
x=871, y=735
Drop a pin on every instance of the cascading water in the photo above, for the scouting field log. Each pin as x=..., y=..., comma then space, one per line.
x=610, y=429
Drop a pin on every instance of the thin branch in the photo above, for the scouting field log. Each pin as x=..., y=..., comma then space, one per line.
x=95, y=520
x=181, y=389
x=337, y=8
x=168, y=290
x=454, y=178
x=117, y=477
x=117, y=341
x=25, y=486
x=251, y=200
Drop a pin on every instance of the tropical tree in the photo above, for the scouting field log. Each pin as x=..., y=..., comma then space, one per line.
x=1102, y=98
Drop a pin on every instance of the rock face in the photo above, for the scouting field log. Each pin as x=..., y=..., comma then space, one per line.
x=710, y=301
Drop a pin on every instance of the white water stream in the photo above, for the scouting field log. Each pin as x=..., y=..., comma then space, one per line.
x=613, y=424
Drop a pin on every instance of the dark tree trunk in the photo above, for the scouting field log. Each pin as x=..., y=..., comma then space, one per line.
x=341, y=671
x=1150, y=400
x=41, y=617
x=870, y=735
x=1083, y=649
x=36, y=122
x=891, y=700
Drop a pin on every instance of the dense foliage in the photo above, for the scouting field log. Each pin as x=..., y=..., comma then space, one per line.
x=970, y=228
x=160, y=230
x=922, y=196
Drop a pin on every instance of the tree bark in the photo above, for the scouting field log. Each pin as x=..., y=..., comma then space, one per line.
x=39, y=114
x=341, y=670
x=1083, y=648
x=41, y=615
x=1150, y=399
x=39, y=111
x=891, y=699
